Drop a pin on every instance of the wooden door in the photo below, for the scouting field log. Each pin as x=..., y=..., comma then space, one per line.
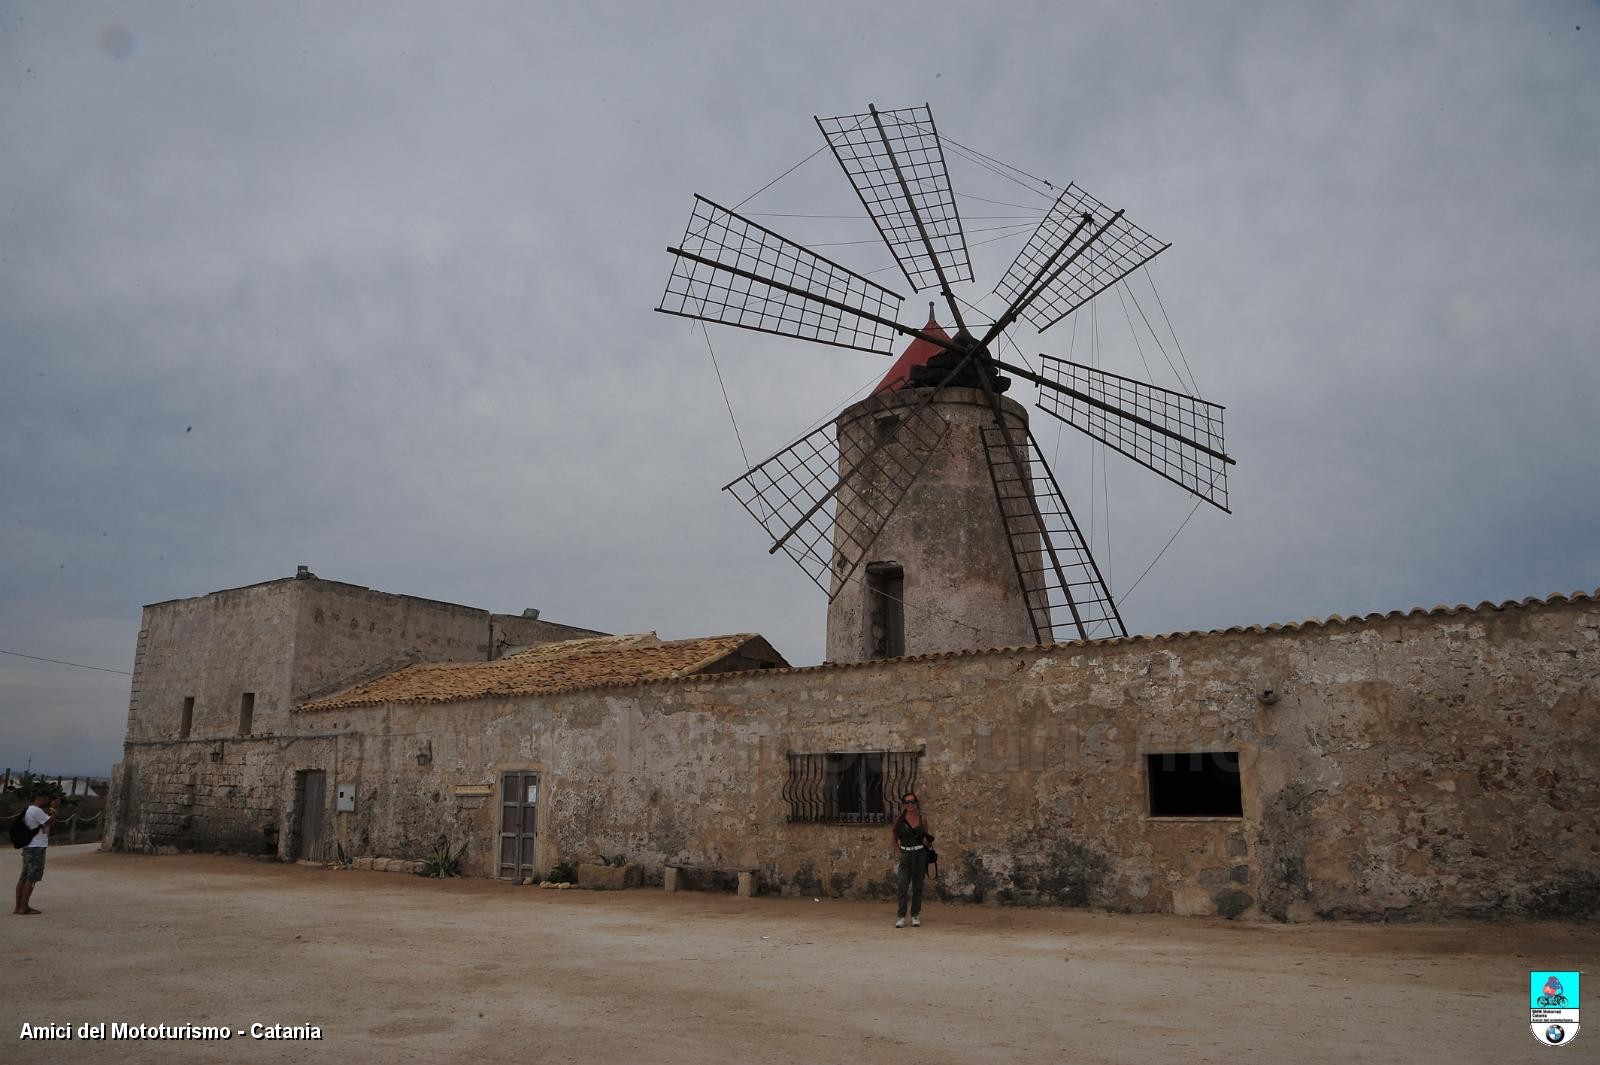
x=519, y=825
x=313, y=786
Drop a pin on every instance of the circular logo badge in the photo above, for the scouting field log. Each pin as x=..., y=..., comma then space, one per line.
x=1555, y=1033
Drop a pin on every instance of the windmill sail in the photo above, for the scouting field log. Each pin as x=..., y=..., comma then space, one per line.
x=896, y=163
x=836, y=498
x=734, y=271
x=825, y=509
x=1173, y=434
x=1101, y=261
x=1067, y=598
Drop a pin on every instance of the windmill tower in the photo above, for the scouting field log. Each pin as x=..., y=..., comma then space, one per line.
x=939, y=575
x=927, y=512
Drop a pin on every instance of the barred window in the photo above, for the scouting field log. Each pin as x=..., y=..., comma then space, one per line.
x=849, y=787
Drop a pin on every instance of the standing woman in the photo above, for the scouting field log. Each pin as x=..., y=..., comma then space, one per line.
x=911, y=836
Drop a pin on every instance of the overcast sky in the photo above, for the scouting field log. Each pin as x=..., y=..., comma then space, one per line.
x=370, y=288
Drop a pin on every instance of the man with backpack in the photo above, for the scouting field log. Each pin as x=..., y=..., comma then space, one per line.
x=36, y=819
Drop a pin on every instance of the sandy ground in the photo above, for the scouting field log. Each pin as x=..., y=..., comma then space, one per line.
x=395, y=967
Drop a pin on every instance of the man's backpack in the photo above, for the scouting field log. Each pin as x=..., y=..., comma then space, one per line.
x=21, y=834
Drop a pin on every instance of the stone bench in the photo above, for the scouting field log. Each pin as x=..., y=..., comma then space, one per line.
x=678, y=877
x=597, y=877
x=387, y=865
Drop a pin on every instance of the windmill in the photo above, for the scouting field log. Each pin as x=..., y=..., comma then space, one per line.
x=827, y=498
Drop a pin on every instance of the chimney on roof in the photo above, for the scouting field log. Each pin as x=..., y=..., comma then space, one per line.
x=531, y=613
x=303, y=573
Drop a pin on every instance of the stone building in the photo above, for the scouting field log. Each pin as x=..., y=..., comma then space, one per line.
x=1428, y=764
x=216, y=677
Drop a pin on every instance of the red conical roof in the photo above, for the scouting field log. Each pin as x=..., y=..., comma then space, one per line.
x=917, y=354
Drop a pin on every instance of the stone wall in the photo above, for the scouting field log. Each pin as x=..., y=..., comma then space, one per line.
x=1411, y=766
x=214, y=648
x=282, y=642
x=346, y=634
x=224, y=795
x=509, y=631
x=1424, y=765
x=960, y=582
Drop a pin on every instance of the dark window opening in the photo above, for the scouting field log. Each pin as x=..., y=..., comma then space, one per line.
x=855, y=786
x=186, y=725
x=247, y=712
x=848, y=787
x=886, y=610
x=1195, y=784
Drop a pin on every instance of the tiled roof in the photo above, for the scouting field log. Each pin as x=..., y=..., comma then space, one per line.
x=566, y=648
x=917, y=353
x=549, y=668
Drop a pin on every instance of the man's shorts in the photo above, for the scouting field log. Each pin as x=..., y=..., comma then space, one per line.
x=33, y=863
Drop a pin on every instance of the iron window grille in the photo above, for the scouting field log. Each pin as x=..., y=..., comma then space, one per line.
x=848, y=787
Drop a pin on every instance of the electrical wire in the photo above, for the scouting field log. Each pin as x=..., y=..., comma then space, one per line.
x=61, y=662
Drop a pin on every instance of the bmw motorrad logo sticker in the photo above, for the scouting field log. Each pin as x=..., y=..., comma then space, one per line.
x=1553, y=1001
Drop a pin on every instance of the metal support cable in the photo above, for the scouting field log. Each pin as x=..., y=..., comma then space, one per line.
x=1124, y=597
x=777, y=179
x=1179, y=344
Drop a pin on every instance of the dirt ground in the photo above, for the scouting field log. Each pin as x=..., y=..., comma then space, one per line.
x=394, y=967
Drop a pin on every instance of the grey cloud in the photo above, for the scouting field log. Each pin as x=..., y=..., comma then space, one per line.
x=370, y=288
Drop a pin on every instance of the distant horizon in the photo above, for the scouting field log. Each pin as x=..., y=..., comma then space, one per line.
x=51, y=774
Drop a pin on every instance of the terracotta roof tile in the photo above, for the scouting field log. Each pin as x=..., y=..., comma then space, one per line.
x=586, y=663
x=565, y=648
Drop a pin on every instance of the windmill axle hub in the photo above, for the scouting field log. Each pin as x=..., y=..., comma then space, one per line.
x=937, y=369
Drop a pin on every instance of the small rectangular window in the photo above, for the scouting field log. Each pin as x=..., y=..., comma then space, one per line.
x=848, y=787
x=186, y=725
x=886, y=610
x=247, y=712
x=1195, y=784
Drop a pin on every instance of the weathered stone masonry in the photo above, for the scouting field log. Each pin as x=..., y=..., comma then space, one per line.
x=1422, y=765
x=280, y=642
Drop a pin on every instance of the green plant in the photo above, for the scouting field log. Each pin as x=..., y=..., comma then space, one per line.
x=562, y=873
x=24, y=784
x=342, y=859
x=442, y=862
